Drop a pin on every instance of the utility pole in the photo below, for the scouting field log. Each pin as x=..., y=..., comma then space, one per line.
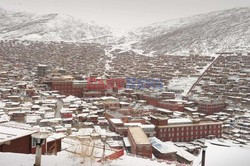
x=39, y=140
x=203, y=155
x=103, y=139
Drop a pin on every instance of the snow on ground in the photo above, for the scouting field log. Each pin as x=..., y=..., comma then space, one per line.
x=109, y=55
x=66, y=159
x=128, y=160
x=225, y=156
x=17, y=159
x=185, y=83
x=182, y=83
x=127, y=46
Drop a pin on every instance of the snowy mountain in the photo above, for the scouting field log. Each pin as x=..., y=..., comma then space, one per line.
x=205, y=33
x=49, y=27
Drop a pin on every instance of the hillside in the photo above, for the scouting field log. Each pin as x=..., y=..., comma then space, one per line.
x=48, y=27
x=205, y=33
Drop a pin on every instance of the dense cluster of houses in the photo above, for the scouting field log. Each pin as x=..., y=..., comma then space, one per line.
x=228, y=81
x=142, y=122
x=163, y=67
x=127, y=117
x=73, y=58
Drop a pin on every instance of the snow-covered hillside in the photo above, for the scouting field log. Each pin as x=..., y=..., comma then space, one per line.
x=49, y=27
x=205, y=33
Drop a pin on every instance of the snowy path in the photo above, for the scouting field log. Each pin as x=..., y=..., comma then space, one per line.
x=204, y=72
x=110, y=56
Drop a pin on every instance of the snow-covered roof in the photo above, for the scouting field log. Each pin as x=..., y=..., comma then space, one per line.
x=2, y=104
x=164, y=110
x=65, y=110
x=56, y=136
x=147, y=126
x=162, y=147
x=126, y=141
x=114, y=144
x=70, y=99
x=124, y=103
x=89, y=131
x=116, y=121
x=13, y=130
x=190, y=109
x=108, y=98
x=132, y=124
x=32, y=118
x=4, y=118
x=55, y=120
x=179, y=121
x=169, y=147
x=82, y=115
x=139, y=135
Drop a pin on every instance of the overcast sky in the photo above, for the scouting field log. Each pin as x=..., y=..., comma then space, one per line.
x=124, y=13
